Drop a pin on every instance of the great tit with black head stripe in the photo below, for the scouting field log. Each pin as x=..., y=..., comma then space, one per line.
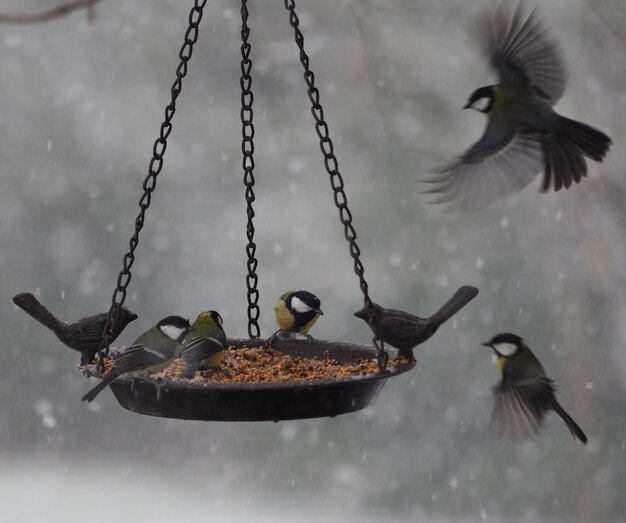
x=296, y=312
x=204, y=345
x=152, y=352
x=524, y=135
x=525, y=394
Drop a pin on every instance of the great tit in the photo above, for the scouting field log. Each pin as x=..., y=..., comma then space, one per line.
x=151, y=352
x=524, y=136
x=204, y=344
x=296, y=312
x=84, y=335
x=524, y=394
x=406, y=331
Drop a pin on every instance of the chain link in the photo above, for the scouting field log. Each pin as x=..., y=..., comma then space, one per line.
x=149, y=184
x=247, y=98
x=247, y=148
x=330, y=160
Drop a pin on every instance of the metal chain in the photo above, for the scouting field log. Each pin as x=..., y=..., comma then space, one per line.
x=247, y=148
x=149, y=184
x=330, y=160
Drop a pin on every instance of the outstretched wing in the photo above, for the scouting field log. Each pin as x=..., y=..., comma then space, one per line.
x=502, y=162
x=520, y=407
x=522, y=51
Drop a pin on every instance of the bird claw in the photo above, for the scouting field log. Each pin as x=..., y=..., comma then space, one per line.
x=381, y=357
x=282, y=334
x=272, y=339
x=158, y=385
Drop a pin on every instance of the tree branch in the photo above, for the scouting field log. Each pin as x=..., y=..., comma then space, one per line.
x=50, y=13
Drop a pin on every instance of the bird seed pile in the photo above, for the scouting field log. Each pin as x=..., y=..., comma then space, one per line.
x=265, y=365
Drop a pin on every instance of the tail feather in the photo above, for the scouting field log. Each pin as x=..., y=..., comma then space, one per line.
x=564, y=151
x=189, y=371
x=593, y=143
x=459, y=300
x=104, y=383
x=571, y=424
x=31, y=305
x=564, y=164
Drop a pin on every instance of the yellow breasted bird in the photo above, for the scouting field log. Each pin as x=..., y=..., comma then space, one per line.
x=524, y=135
x=524, y=394
x=204, y=344
x=84, y=335
x=296, y=312
x=152, y=352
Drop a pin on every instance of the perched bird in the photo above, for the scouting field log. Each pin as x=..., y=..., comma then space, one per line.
x=524, y=136
x=406, y=331
x=296, y=312
x=84, y=335
x=524, y=394
x=204, y=344
x=150, y=353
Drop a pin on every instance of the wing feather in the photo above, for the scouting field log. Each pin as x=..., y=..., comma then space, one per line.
x=137, y=357
x=522, y=51
x=198, y=349
x=520, y=407
x=498, y=165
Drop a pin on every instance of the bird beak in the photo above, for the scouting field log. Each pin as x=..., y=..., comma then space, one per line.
x=361, y=314
x=319, y=311
x=490, y=345
x=467, y=106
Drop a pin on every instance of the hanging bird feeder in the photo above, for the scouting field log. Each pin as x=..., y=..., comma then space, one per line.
x=274, y=401
x=254, y=401
x=235, y=401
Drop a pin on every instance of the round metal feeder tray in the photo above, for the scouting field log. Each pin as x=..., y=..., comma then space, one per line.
x=260, y=401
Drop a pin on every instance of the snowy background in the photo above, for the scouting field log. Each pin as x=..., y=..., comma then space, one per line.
x=81, y=107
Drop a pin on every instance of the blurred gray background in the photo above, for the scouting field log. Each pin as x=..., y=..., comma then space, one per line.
x=81, y=106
